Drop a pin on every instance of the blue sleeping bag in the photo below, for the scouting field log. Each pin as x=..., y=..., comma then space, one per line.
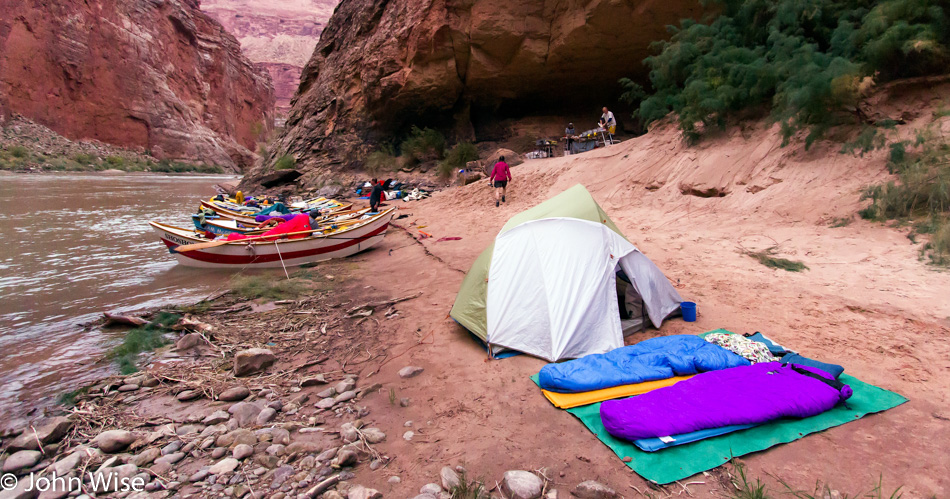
x=653, y=359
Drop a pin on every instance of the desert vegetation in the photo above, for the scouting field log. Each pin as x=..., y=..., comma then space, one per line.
x=806, y=63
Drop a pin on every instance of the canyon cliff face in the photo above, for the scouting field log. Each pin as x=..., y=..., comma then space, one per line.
x=153, y=74
x=277, y=35
x=462, y=65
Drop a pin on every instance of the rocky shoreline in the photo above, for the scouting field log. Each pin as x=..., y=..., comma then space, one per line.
x=243, y=404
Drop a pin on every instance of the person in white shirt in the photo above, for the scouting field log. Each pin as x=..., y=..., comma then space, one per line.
x=608, y=122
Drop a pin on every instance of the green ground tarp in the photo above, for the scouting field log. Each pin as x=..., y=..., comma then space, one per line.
x=682, y=461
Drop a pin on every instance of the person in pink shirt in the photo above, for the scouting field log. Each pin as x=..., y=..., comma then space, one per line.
x=500, y=175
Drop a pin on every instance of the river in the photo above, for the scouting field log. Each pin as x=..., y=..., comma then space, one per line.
x=75, y=245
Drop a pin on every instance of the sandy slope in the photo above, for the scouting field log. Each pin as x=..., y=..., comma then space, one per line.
x=867, y=302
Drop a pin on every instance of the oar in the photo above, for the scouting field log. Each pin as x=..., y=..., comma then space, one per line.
x=213, y=244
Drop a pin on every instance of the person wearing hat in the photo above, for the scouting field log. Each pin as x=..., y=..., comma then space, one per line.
x=569, y=134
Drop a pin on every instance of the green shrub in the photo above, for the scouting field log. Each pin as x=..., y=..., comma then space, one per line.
x=267, y=287
x=381, y=160
x=84, y=159
x=286, y=162
x=806, y=61
x=115, y=162
x=142, y=339
x=423, y=144
x=921, y=192
x=765, y=257
x=457, y=157
x=18, y=151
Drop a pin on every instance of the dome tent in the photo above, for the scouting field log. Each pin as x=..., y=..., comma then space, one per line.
x=547, y=285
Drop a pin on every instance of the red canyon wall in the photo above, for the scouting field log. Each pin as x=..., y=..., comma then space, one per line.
x=152, y=74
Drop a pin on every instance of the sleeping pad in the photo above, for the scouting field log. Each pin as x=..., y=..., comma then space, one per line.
x=298, y=223
x=746, y=395
x=653, y=359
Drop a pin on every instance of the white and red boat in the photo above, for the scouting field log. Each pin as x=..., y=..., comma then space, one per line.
x=276, y=252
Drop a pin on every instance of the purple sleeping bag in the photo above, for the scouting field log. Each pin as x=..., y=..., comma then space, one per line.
x=743, y=395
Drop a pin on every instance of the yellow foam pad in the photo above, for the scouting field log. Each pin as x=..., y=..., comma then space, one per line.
x=569, y=400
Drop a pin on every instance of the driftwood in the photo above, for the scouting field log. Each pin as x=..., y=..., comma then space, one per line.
x=323, y=486
x=367, y=309
x=123, y=320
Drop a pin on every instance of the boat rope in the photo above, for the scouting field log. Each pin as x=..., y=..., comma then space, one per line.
x=276, y=245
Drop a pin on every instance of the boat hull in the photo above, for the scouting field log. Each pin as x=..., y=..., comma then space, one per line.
x=277, y=253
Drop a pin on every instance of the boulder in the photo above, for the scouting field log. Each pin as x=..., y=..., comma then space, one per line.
x=301, y=447
x=253, y=361
x=373, y=435
x=70, y=462
x=172, y=447
x=511, y=157
x=199, y=476
x=345, y=396
x=170, y=459
x=189, y=341
x=225, y=465
x=216, y=417
x=329, y=392
x=325, y=403
x=450, y=479
x=234, y=394
x=280, y=436
x=146, y=457
x=410, y=371
x=361, y=492
x=345, y=457
x=281, y=475
x=594, y=490
x=266, y=415
x=242, y=451
x=345, y=385
x=48, y=431
x=189, y=395
x=21, y=460
x=518, y=484
x=318, y=379
x=433, y=489
x=236, y=437
x=245, y=413
x=113, y=440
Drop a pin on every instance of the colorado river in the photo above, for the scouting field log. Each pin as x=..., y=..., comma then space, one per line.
x=75, y=245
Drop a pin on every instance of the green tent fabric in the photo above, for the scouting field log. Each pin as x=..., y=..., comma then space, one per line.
x=469, y=307
x=682, y=461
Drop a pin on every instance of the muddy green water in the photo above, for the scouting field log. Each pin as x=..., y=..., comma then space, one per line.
x=73, y=246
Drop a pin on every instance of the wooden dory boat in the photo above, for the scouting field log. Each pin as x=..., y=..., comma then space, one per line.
x=225, y=226
x=343, y=242
x=248, y=218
